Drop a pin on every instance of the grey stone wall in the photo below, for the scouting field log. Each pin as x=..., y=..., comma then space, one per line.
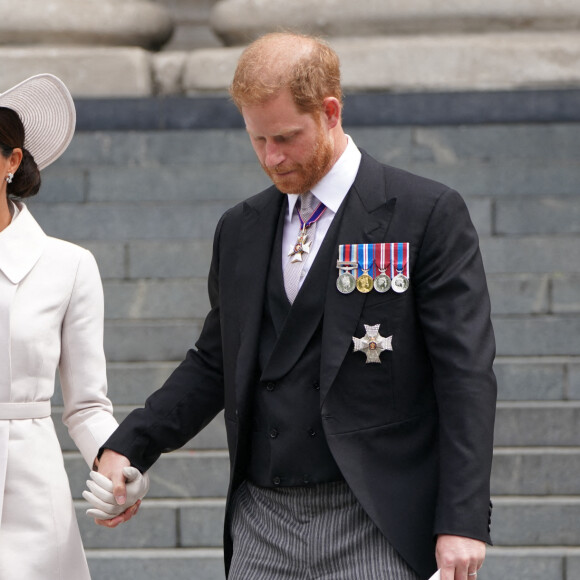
x=146, y=203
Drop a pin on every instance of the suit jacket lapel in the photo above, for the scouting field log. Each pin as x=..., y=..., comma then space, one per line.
x=367, y=217
x=260, y=218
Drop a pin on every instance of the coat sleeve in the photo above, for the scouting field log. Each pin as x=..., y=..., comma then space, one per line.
x=454, y=308
x=88, y=413
x=189, y=399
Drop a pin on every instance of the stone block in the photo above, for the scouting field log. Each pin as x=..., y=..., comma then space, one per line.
x=574, y=381
x=96, y=23
x=237, y=21
x=551, y=216
x=87, y=71
x=535, y=471
x=390, y=145
x=155, y=526
x=201, y=524
x=61, y=184
x=459, y=61
x=206, y=564
x=149, y=340
x=110, y=257
x=122, y=222
x=538, y=336
x=528, y=563
x=519, y=293
x=497, y=143
x=543, y=423
x=210, y=70
x=156, y=299
x=201, y=148
x=480, y=211
x=536, y=522
x=474, y=177
x=180, y=474
x=212, y=437
x=531, y=254
x=106, y=148
x=177, y=184
x=167, y=259
x=525, y=380
x=566, y=293
x=190, y=474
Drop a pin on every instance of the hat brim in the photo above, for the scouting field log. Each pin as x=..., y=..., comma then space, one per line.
x=47, y=111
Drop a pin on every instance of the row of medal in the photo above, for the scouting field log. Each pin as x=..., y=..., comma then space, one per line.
x=365, y=267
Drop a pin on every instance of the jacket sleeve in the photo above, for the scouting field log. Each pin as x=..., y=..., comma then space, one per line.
x=88, y=413
x=454, y=308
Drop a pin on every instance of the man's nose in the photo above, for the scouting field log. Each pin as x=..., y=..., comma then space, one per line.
x=274, y=155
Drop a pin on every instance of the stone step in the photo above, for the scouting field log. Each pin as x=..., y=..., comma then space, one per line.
x=518, y=424
x=539, y=379
x=162, y=339
x=531, y=522
x=159, y=524
x=192, y=473
x=178, y=475
x=212, y=438
x=559, y=563
x=522, y=471
x=177, y=564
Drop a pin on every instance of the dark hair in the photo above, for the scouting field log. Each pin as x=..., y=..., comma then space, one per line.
x=26, y=180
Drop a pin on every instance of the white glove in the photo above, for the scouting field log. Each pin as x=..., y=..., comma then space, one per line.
x=101, y=495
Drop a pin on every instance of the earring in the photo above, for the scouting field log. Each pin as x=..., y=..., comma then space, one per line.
x=9, y=177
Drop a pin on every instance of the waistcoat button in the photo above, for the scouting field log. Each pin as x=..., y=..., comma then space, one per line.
x=273, y=433
x=270, y=386
x=312, y=432
x=276, y=480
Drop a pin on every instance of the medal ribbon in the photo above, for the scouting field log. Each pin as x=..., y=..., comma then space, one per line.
x=400, y=256
x=380, y=252
x=316, y=215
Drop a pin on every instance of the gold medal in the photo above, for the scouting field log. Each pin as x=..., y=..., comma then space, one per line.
x=364, y=283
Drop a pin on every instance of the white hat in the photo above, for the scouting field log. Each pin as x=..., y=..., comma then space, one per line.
x=47, y=111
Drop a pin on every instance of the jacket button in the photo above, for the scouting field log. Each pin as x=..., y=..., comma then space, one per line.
x=276, y=480
x=316, y=385
x=270, y=386
x=312, y=432
x=273, y=433
x=306, y=479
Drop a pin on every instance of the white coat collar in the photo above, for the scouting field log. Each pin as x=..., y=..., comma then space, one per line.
x=21, y=245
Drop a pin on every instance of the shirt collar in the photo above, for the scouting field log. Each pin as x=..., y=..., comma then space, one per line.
x=334, y=186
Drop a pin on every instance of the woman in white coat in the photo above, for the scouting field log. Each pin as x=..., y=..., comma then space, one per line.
x=51, y=317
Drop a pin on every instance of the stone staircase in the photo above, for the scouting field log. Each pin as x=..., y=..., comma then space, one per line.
x=146, y=203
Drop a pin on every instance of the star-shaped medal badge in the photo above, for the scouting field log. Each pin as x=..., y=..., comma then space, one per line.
x=302, y=246
x=372, y=343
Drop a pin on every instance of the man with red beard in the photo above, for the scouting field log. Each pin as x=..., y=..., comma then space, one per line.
x=349, y=342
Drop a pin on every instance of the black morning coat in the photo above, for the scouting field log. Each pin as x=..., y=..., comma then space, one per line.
x=413, y=435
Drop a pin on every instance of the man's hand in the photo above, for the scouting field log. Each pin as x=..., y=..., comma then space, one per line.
x=111, y=465
x=459, y=558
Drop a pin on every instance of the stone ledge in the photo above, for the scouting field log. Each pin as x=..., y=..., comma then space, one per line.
x=239, y=21
x=361, y=110
x=87, y=71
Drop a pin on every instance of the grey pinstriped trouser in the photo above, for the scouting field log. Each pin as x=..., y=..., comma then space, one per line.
x=309, y=533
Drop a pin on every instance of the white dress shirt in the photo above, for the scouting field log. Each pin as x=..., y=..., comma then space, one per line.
x=331, y=191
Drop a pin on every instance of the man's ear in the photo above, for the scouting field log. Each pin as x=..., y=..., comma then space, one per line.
x=332, y=111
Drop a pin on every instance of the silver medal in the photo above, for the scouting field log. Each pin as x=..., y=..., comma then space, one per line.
x=382, y=283
x=346, y=283
x=400, y=283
